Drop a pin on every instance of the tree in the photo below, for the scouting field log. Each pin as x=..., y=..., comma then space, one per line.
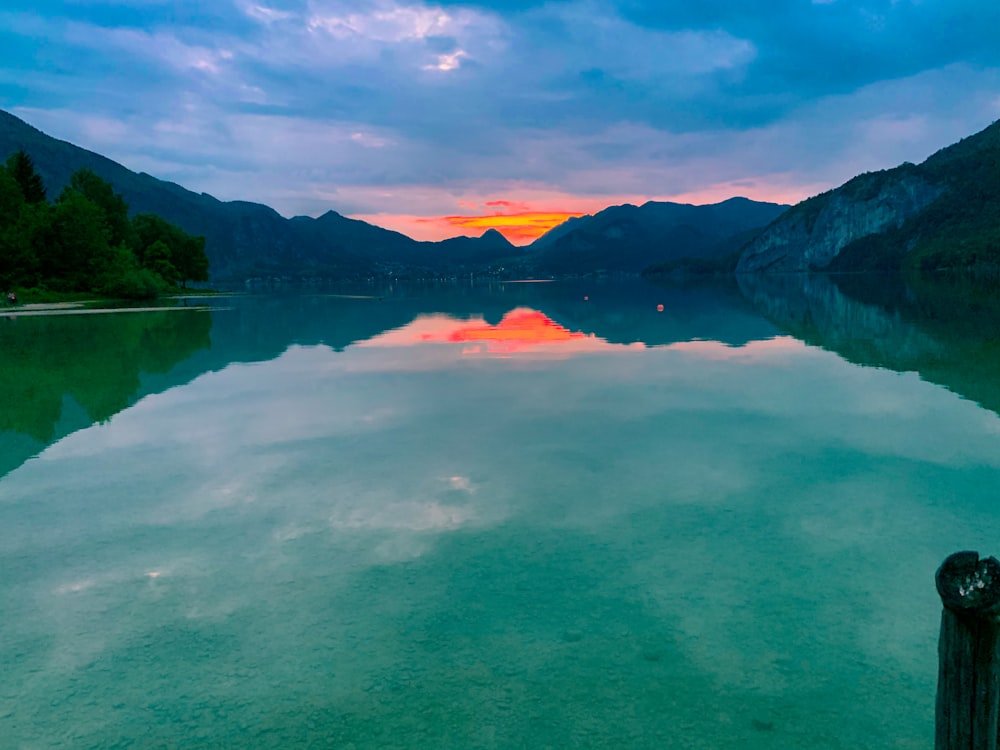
x=158, y=260
x=122, y=277
x=191, y=261
x=80, y=252
x=86, y=241
x=187, y=252
x=25, y=235
x=22, y=168
x=15, y=258
x=148, y=229
x=115, y=209
x=11, y=199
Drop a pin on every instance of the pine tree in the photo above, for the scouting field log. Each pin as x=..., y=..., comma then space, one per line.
x=22, y=168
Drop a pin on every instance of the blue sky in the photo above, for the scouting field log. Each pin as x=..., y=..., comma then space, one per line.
x=419, y=115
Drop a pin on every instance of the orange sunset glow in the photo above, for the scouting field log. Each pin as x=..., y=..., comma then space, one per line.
x=525, y=215
x=521, y=218
x=520, y=228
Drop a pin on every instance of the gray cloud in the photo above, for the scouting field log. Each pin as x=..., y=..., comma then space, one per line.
x=313, y=104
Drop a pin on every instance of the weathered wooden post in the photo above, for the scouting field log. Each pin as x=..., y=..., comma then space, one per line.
x=968, y=693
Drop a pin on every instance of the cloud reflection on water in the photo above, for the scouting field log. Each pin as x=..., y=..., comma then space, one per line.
x=740, y=508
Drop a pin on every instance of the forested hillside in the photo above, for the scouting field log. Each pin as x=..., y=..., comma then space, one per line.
x=85, y=240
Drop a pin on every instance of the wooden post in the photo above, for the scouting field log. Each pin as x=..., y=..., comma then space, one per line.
x=968, y=694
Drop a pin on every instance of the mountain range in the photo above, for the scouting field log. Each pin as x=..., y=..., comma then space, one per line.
x=941, y=214
x=246, y=239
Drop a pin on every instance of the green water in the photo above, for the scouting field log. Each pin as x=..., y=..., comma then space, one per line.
x=498, y=516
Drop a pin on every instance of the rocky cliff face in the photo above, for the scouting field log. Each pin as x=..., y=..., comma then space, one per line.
x=810, y=235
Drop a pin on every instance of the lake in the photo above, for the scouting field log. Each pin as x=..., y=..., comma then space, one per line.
x=493, y=515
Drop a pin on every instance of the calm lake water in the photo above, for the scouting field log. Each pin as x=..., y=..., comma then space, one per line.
x=495, y=516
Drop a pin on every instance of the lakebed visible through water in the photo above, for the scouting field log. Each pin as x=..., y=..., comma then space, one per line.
x=492, y=516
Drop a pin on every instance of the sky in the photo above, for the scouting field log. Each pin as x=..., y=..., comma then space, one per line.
x=446, y=118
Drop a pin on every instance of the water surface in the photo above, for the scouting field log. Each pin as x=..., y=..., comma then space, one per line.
x=504, y=516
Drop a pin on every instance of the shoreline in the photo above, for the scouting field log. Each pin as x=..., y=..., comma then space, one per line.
x=39, y=309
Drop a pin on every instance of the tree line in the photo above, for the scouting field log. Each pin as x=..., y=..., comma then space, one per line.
x=85, y=240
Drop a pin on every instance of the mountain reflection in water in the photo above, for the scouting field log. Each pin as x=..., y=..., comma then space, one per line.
x=947, y=330
x=65, y=373
x=500, y=516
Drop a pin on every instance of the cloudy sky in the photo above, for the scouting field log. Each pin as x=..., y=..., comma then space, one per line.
x=444, y=118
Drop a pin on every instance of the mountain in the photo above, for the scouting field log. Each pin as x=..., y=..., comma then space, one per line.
x=249, y=239
x=489, y=246
x=630, y=238
x=941, y=214
x=560, y=230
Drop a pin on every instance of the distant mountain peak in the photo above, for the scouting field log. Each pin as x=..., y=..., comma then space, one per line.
x=493, y=235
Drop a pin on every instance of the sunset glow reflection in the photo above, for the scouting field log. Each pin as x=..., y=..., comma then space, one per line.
x=520, y=330
x=525, y=331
